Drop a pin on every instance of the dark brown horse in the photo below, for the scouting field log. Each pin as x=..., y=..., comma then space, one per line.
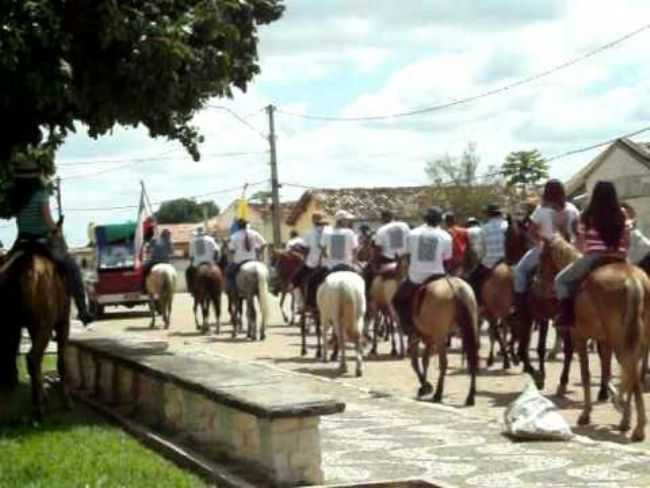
x=207, y=283
x=39, y=301
x=286, y=264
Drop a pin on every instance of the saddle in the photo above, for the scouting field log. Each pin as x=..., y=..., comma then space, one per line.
x=25, y=248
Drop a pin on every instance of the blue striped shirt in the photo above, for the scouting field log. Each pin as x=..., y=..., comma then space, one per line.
x=30, y=219
x=494, y=241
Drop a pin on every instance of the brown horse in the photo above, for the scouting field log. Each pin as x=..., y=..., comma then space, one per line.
x=380, y=312
x=496, y=298
x=286, y=264
x=207, y=285
x=612, y=307
x=40, y=302
x=438, y=308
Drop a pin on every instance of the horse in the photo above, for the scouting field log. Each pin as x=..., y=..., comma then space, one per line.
x=286, y=264
x=439, y=308
x=497, y=297
x=160, y=285
x=342, y=304
x=611, y=306
x=252, y=281
x=380, y=303
x=207, y=284
x=40, y=302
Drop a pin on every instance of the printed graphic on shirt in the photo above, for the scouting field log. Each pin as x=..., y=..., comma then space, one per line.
x=427, y=246
x=396, y=239
x=338, y=247
x=200, y=246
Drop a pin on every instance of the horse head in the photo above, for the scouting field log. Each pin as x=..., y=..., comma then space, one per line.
x=516, y=240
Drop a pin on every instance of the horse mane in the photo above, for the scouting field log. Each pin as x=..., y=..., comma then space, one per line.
x=562, y=252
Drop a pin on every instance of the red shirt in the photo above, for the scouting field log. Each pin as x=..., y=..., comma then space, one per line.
x=459, y=243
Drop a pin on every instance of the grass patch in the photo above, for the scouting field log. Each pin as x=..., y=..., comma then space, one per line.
x=74, y=448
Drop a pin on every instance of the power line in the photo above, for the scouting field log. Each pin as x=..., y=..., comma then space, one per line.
x=472, y=98
x=146, y=160
x=596, y=146
x=189, y=197
x=241, y=119
x=154, y=158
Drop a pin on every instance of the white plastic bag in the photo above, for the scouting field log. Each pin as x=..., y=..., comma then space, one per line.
x=533, y=416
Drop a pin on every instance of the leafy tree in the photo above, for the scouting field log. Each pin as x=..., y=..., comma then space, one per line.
x=524, y=169
x=184, y=210
x=129, y=62
x=458, y=186
x=262, y=196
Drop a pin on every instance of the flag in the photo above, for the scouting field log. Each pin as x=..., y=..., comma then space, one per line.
x=242, y=209
x=138, y=241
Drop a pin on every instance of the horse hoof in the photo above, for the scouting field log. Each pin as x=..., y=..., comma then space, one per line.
x=303, y=352
x=506, y=366
x=437, y=398
x=469, y=402
x=624, y=426
x=490, y=362
x=425, y=390
x=638, y=435
x=359, y=373
x=393, y=353
x=584, y=419
x=603, y=395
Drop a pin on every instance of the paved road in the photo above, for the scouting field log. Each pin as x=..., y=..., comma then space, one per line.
x=385, y=374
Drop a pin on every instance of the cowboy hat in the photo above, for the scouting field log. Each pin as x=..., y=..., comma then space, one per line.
x=343, y=215
x=492, y=208
x=317, y=218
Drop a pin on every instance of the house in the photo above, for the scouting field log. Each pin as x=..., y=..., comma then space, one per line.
x=259, y=217
x=627, y=164
x=407, y=203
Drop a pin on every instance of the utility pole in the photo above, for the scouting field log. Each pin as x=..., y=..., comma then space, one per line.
x=57, y=188
x=275, y=185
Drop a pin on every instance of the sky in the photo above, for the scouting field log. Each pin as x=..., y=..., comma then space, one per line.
x=356, y=58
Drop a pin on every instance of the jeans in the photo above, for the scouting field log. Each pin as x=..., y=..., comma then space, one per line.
x=568, y=280
x=525, y=267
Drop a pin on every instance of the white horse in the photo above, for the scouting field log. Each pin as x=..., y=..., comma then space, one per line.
x=161, y=285
x=253, y=280
x=342, y=305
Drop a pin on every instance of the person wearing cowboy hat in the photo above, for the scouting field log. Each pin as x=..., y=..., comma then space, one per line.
x=429, y=253
x=340, y=244
x=313, y=260
x=492, y=247
x=245, y=245
x=203, y=249
x=30, y=201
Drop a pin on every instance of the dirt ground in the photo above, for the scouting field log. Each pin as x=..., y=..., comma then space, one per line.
x=383, y=373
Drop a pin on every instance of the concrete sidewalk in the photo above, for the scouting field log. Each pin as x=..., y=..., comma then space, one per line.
x=392, y=438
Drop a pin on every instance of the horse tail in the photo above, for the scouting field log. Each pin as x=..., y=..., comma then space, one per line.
x=633, y=330
x=9, y=347
x=467, y=320
x=263, y=291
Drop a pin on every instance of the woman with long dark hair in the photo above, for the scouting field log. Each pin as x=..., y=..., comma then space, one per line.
x=602, y=232
x=554, y=214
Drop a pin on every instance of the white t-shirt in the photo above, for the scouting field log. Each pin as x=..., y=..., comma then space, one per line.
x=550, y=221
x=296, y=241
x=238, y=245
x=202, y=249
x=391, y=238
x=340, y=245
x=429, y=247
x=313, y=243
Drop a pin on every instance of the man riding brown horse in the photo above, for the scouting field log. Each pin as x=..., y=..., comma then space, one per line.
x=429, y=251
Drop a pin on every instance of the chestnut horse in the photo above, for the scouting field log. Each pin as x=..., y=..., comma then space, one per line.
x=206, y=289
x=612, y=306
x=286, y=264
x=40, y=302
x=439, y=308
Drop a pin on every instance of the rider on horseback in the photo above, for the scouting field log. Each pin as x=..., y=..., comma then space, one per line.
x=340, y=244
x=203, y=250
x=602, y=234
x=492, y=247
x=295, y=242
x=554, y=214
x=160, y=250
x=305, y=275
x=30, y=198
x=246, y=245
x=390, y=240
x=429, y=250
x=459, y=242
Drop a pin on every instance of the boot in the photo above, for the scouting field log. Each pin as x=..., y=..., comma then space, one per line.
x=565, y=318
x=78, y=293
